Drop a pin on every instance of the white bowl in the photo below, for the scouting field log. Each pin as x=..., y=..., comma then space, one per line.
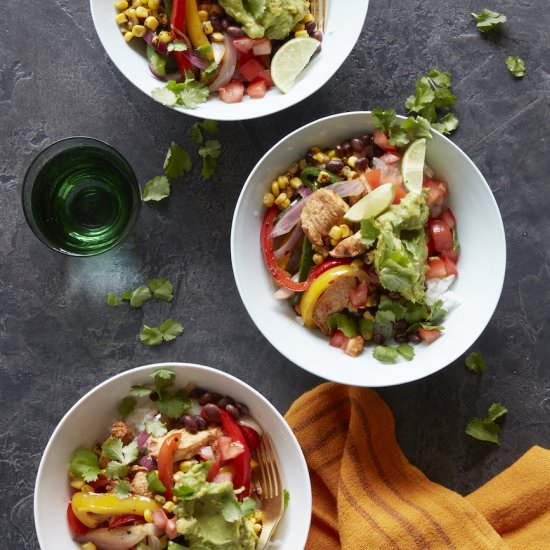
x=481, y=265
x=85, y=424
x=345, y=20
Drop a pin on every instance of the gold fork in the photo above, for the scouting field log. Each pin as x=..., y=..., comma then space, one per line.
x=319, y=11
x=267, y=480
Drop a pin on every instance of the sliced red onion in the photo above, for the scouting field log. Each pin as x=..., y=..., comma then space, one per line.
x=228, y=66
x=148, y=462
x=119, y=538
x=290, y=243
x=347, y=188
x=166, y=77
x=142, y=439
x=206, y=453
x=250, y=423
x=283, y=294
x=389, y=173
x=161, y=47
x=159, y=519
x=218, y=51
x=289, y=219
x=154, y=543
x=304, y=192
x=196, y=61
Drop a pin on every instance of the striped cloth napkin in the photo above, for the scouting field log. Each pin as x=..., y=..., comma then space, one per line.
x=366, y=495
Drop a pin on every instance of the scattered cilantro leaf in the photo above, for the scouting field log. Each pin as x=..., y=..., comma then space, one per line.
x=120, y=456
x=211, y=148
x=190, y=93
x=516, y=66
x=123, y=489
x=161, y=288
x=163, y=378
x=173, y=406
x=447, y=124
x=85, y=464
x=286, y=496
x=195, y=133
x=177, y=46
x=150, y=336
x=126, y=406
x=496, y=410
x=210, y=126
x=209, y=165
x=164, y=96
x=156, y=60
x=154, y=484
x=140, y=295
x=386, y=354
x=193, y=94
x=177, y=161
x=423, y=96
x=384, y=120
x=112, y=300
x=140, y=391
x=248, y=505
x=399, y=137
x=441, y=79
x=126, y=296
x=156, y=189
x=116, y=470
x=155, y=427
x=415, y=312
x=484, y=430
x=419, y=127
x=369, y=232
x=406, y=351
x=437, y=313
x=444, y=99
x=170, y=329
x=475, y=362
x=488, y=20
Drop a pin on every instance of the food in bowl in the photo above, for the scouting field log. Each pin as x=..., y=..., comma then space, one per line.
x=175, y=472
x=225, y=47
x=361, y=243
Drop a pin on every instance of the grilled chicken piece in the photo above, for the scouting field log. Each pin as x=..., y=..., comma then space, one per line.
x=322, y=211
x=354, y=346
x=122, y=431
x=190, y=444
x=349, y=247
x=334, y=299
x=140, y=485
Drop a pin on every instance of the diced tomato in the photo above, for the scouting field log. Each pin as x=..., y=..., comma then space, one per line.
x=373, y=178
x=206, y=453
x=437, y=191
x=99, y=483
x=266, y=75
x=431, y=247
x=436, y=268
x=429, y=336
x=251, y=69
x=243, y=44
x=262, y=46
x=390, y=158
x=257, y=89
x=338, y=339
x=159, y=519
x=382, y=140
x=400, y=192
x=451, y=254
x=128, y=519
x=214, y=469
x=252, y=437
x=265, y=60
x=450, y=266
x=449, y=218
x=441, y=234
x=232, y=92
x=358, y=295
x=229, y=449
x=76, y=526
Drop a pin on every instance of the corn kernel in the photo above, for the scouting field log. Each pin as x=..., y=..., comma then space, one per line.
x=77, y=484
x=331, y=154
x=335, y=233
x=121, y=18
x=186, y=465
x=148, y=516
x=314, y=149
x=87, y=488
x=207, y=27
x=368, y=315
x=371, y=300
x=269, y=199
x=285, y=203
x=317, y=259
x=323, y=177
x=257, y=528
x=333, y=242
x=121, y=4
x=253, y=463
x=302, y=164
x=152, y=23
x=132, y=16
x=169, y=506
x=88, y=546
x=293, y=168
x=346, y=170
x=203, y=15
x=165, y=37
x=217, y=37
x=299, y=27
x=309, y=18
x=153, y=4
x=352, y=160
x=346, y=231
x=137, y=3
x=290, y=192
x=296, y=183
x=301, y=34
x=321, y=158
x=282, y=181
x=357, y=264
x=352, y=174
x=160, y=499
x=178, y=476
x=142, y=12
x=275, y=189
x=280, y=199
x=139, y=30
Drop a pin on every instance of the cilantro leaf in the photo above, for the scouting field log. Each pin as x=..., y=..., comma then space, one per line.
x=484, y=430
x=195, y=133
x=415, y=312
x=164, y=96
x=386, y=354
x=496, y=410
x=170, y=329
x=423, y=96
x=447, y=124
x=161, y=288
x=173, y=406
x=210, y=126
x=126, y=406
x=177, y=161
x=155, y=427
x=156, y=189
x=398, y=136
x=369, y=232
x=286, y=496
x=516, y=66
x=113, y=449
x=163, y=378
x=340, y=321
x=488, y=20
x=120, y=455
x=150, y=336
x=126, y=296
x=123, y=489
x=193, y=94
x=140, y=391
x=437, y=313
x=140, y=295
x=383, y=120
x=157, y=61
x=112, y=300
x=419, y=127
x=444, y=99
x=85, y=464
x=248, y=505
x=475, y=362
x=384, y=317
x=209, y=165
x=232, y=510
x=406, y=351
x=116, y=470
x=154, y=484
x=441, y=79
x=211, y=148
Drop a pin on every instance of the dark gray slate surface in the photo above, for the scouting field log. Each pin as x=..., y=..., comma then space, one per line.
x=57, y=337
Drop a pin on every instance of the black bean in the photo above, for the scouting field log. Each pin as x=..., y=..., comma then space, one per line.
x=201, y=422
x=368, y=151
x=346, y=146
x=205, y=398
x=362, y=164
x=378, y=339
x=190, y=424
x=311, y=27
x=216, y=397
x=225, y=23
x=212, y=412
x=318, y=35
x=243, y=408
x=222, y=402
x=195, y=393
x=367, y=139
x=334, y=166
x=154, y=396
x=401, y=338
x=216, y=23
x=400, y=326
x=414, y=338
x=233, y=30
x=309, y=157
x=340, y=151
x=233, y=411
x=378, y=151
x=357, y=145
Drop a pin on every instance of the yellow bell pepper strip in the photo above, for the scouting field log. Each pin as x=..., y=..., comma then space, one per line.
x=194, y=24
x=318, y=286
x=87, y=505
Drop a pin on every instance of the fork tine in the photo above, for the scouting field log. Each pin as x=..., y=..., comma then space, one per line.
x=274, y=470
x=265, y=471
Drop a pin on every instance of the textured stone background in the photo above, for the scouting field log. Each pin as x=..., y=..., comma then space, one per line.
x=57, y=337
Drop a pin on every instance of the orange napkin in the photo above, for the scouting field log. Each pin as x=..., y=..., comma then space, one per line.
x=366, y=495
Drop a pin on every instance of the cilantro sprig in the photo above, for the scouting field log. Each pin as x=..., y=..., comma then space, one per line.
x=209, y=126
x=486, y=429
x=515, y=65
x=190, y=93
x=488, y=20
x=168, y=331
x=210, y=152
x=120, y=455
x=475, y=362
x=85, y=464
x=161, y=289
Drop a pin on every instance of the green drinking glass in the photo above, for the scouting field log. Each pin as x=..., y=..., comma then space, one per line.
x=80, y=196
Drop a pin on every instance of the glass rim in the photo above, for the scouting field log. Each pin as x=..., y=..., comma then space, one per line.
x=63, y=144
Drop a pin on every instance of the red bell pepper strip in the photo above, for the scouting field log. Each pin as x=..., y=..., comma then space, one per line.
x=76, y=526
x=166, y=462
x=177, y=26
x=241, y=463
x=325, y=266
x=128, y=519
x=99, y=484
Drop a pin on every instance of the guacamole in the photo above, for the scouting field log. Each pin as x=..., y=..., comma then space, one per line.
x=210, y=517
x=401, y=251
x=272, y=18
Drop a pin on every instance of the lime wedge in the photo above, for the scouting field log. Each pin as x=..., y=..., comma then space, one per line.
x=412, y=166
x=290, y=60
x=372, y=204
